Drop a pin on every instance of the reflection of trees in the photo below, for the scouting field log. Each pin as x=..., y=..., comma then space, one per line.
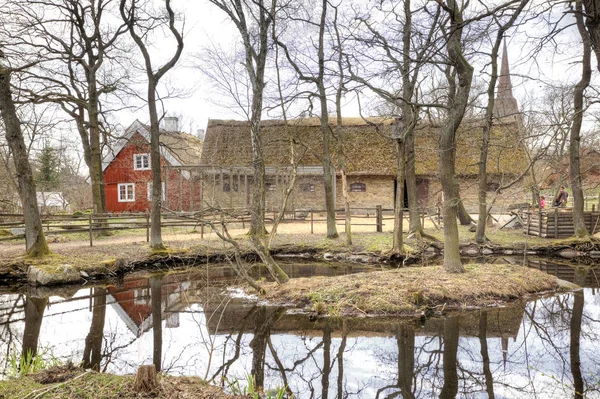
x=12, y=304
x=156, y=295
x=92, y=352
x=340, y=360
x=578, y=302
x=406, y=360
x=485, y=357
x=34, y=314
x=450, y=387
x=262, y=331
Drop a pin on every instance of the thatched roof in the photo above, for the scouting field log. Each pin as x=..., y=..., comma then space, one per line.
x=367, y=146
x=185, y=147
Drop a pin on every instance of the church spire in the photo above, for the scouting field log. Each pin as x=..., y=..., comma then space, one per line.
x=505, y=103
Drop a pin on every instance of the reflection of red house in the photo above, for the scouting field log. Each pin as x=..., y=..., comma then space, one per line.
x=133, y=302
x=127, y=174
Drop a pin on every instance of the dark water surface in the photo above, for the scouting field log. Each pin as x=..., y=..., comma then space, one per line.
x=190, y=325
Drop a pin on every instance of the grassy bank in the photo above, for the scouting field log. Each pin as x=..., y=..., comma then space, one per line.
x=91, y=385
x=411, y=291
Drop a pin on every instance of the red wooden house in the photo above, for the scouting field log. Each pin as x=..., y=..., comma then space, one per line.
x=127, y=174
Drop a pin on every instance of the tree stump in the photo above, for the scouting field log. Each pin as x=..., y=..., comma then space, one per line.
x=145, y=379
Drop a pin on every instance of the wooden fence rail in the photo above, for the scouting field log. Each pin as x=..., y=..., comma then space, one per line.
x=92, y=224
x=557, y=222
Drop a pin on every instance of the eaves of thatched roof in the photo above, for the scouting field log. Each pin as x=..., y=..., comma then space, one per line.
x=367, y=145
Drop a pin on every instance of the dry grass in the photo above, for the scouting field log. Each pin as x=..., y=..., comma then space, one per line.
x=93, y=385
x=408, y=291
x=291, y=235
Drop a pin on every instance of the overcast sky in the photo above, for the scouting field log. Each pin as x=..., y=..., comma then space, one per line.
x=205, y=24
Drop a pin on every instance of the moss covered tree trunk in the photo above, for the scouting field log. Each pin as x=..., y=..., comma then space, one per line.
x=35, y=241
x=580, y=229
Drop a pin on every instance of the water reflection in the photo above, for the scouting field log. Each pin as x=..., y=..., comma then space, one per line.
x=187, y=324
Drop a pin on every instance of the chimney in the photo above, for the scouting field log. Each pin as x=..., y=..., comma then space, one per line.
x=171, y=124
x=200, y=134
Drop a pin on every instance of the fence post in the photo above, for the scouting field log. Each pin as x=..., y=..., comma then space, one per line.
x=555, y=222
x=379, y=219
x=528, y=221
x=91, y=233
x=540, y=222
x=311, y=221
x=147, y=227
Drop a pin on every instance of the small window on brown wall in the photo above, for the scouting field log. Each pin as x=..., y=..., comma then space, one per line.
x=493, y=186
x=358, y=188
x=227, y=187
x=307, y=187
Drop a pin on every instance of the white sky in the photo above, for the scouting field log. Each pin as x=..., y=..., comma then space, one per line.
x=206, y=23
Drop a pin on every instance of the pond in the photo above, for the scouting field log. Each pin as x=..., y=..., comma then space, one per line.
x=190, y=324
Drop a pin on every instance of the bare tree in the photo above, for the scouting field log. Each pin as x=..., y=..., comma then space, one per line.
x=140, y=23
x=80, y=43
x=318, y=78
x=489, y=120
x=580, y=230
x=35, y=241
x=458, y=98
x=404, y=60
x=253, y=21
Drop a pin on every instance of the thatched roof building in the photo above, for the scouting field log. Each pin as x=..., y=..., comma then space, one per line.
x=367, y=145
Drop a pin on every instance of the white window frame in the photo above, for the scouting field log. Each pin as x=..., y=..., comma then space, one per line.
x=141, y=157
x=149, y=190
x=132, y=199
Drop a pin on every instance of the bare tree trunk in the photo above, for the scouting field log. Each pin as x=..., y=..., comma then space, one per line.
x=92, y=352
x=398, y=242
x=257, y=218
x=35, y=241
x=340, y=135
x=130, y=16
x=458, y=99
x=464, y=217
x=574, y=153
x=256, y=46
x=592, y=22
x=414, y=223
x=96, y=175
x=156, y=241
x=485, y=139
x=329, y=178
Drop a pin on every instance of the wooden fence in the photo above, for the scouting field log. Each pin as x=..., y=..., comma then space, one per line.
x=92, y=224
x=557, y=222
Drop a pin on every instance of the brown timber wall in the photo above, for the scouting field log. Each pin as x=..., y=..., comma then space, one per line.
x=557, y=222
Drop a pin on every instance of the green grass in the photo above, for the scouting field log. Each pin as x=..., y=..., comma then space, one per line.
x=250, y=390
